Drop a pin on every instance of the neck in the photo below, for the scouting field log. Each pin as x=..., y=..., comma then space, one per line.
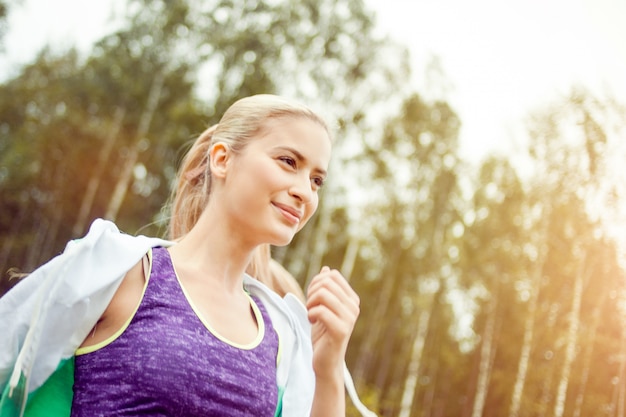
x=209, y=252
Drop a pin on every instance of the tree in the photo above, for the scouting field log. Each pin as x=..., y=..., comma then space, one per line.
x=492, y=262
x=4, y=11
x=566, y=139
x=403, y=256
x=136, y=100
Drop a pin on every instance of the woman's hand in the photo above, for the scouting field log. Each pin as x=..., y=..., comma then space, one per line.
x=333, y=308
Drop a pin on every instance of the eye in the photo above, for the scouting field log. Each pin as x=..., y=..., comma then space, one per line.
x=288, y=160
x=318, y=182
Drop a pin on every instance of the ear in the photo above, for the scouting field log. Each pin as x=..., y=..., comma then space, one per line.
x=219, y=157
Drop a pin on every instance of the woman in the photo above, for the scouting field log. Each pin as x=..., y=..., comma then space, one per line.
x=180, y=329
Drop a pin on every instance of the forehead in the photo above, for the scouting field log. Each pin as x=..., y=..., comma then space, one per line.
x=303, y=134
x=289, y=121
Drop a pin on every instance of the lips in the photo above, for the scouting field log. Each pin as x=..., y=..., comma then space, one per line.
x=290, y=213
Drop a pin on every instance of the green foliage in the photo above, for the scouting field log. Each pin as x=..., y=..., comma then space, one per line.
x=4, y=9
x=448, y=262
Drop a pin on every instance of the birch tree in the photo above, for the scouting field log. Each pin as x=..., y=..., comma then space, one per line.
x=573, y=146
x=414, y=164
x=492, y=261
x=538, y=250
x=304, y=50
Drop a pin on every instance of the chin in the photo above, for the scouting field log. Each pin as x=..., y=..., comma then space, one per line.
x=283, y=240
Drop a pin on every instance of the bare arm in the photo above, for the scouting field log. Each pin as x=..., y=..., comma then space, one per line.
x=333, y=308
x=121, y=307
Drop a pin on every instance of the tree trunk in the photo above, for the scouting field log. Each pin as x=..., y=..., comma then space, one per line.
x=319, y=244
x=34, y=252
x=96, y=176
x=578, y=404
x=50, y=244
x=352, y=250
x=9, y=241
x=524, y=360
x=121, y=188
x=546, y=387
x=429, y=395
x=622, y=394
x=382, y=306
x=619, y=390
x=527, y=343
x=572, y=339
x=410, y=383
x=484, y=374
x=385, y=367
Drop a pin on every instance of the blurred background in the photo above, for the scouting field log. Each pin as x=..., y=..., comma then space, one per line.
x=476, y=200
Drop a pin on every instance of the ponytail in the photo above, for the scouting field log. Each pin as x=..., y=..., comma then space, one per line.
x=193, y=185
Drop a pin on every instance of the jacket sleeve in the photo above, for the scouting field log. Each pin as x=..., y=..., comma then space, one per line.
x=295, y=377
x=295, y=369
x=48, y=314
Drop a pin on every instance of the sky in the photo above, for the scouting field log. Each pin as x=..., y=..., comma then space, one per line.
x=505, y=59
x=501, y=60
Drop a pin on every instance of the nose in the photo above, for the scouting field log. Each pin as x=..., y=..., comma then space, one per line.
x=301, y=189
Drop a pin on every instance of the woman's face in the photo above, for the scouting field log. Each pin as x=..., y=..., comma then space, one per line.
x=272, y=185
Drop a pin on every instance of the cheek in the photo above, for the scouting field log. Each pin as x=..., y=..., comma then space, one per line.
x=251, y=176
x=309, y=211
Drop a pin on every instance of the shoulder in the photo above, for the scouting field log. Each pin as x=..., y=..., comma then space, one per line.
x=74, y=288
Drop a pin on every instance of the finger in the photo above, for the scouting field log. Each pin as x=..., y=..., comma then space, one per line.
x=343, y=309
x=331, y=297
x=334, y=274
x=336, y=283
x=323, y=272
x=326, y=322
x=327, y=287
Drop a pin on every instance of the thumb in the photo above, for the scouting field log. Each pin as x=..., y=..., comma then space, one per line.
x=324, y=269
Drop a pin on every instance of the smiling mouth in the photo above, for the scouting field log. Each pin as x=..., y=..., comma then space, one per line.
x=289, y=213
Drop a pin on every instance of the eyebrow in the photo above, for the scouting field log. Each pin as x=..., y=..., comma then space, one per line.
x=302, y=158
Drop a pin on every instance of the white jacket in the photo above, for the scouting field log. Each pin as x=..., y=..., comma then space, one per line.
x=46, y=317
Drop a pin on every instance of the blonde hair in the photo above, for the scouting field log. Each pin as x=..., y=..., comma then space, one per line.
x=243, y=121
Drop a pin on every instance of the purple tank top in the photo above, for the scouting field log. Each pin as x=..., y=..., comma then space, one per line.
x=167, y=363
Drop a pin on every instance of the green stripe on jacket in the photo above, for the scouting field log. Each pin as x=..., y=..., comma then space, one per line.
x=52, y=399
